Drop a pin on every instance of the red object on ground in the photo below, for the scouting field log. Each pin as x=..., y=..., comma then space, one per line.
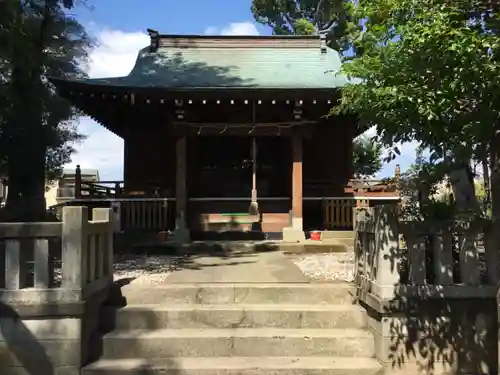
x=315, y=236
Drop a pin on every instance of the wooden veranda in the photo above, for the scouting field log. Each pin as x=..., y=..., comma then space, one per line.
x=149, y=211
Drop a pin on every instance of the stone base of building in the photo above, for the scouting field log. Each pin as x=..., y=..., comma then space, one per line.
x=293, y=235
x=181, y=235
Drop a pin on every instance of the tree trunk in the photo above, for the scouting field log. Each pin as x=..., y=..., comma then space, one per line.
x=462, y=184
x=26, y=154
x=487, y=186
x=495, y=176
x=27, y=151
x=494, y=244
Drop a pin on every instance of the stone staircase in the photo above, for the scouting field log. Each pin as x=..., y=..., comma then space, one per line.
x=244, y=329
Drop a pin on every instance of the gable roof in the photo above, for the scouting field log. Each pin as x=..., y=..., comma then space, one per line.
x=232, y=62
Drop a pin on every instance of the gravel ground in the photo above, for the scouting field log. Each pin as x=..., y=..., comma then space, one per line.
x=141, y=268
x=327, y=267
x=155, y=269
x=151, y=269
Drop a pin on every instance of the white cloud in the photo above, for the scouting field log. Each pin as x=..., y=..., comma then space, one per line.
x=114, y=56
x=115, y=53
x=102, y=150
x=371, y=132
x=408, y=152
x=235, y=28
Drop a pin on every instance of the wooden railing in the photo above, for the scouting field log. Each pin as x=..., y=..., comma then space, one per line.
x=149, y=214
x=338, y=213
x=398, y=260
x=57, y=262
x=101, y=189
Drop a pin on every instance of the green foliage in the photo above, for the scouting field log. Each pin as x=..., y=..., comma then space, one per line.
x=367, y=159
x=428, y=73
x=432, y=178
x=304, y=27
x=480, y=192
x=422, y=176
x=38, y=39
x=307, y=17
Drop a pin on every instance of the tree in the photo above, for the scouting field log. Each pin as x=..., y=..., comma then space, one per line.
x=367, y=159
x=38, y=39
x=429, y=72
x=307, y=17
x=424, y=191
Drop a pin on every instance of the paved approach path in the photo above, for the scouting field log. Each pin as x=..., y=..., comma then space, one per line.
x=238, y=267
x=232, y=263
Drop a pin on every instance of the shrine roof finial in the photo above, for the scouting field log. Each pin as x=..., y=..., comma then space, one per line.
x=155, y=41
x=153, y=33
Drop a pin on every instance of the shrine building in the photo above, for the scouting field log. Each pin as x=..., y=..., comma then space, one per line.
x=216, y=122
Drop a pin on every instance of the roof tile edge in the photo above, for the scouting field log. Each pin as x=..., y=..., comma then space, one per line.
x=234, y=41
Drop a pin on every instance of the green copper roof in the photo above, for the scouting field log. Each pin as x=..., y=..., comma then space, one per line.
x=213, y=66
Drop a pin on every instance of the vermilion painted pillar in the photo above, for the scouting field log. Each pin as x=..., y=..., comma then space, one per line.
x=297, y=183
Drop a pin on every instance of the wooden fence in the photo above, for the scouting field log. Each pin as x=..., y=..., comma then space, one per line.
x=100, y=189
x=422, y=259
x=338, y=213
x=149, y=214
x=144, y=214
x=57, y=262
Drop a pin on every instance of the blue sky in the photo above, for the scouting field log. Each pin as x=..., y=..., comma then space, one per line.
x=119, y=28
x=166, y=16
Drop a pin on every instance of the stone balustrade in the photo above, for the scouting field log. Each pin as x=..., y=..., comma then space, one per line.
x=430, y=291
x=53, y=279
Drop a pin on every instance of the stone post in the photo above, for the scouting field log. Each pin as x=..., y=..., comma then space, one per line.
x=74, y=247
x=386, y=251
x=106, y=214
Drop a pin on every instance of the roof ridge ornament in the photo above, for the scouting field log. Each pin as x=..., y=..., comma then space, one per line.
x=155, y=40
x=322, y=38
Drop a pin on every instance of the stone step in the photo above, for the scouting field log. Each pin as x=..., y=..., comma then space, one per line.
x=236, y=316
x=247, y=293
x=338, y=234
x=236, y=366
x=239, y=342
x=316, y=247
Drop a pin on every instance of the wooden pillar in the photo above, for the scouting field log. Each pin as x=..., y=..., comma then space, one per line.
x=78, y=182
x=297, y=183
x=126, y=161
x=180, y=183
